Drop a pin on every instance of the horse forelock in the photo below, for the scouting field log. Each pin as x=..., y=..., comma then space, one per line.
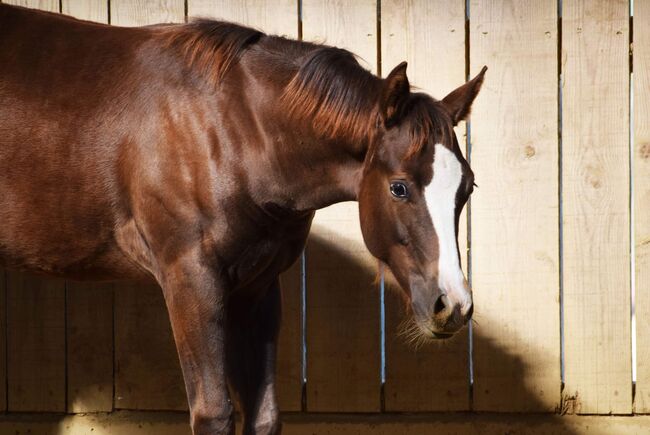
x=428, y=123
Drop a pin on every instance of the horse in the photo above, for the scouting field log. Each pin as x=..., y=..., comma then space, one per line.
x=195, y=155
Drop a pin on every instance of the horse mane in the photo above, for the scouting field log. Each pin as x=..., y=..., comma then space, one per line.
x=210, y=46
x=330, y=90
x=339, y=98
x=335, y=95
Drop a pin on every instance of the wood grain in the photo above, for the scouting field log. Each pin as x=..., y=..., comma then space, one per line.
x=44, y=5
x=430, y=35
x=595, y=195
x=279, y=17
x=514, y=154
x=147, y=371
x=89, y=333
x=167, y=423
x=35, y=343
x=142, y=13
x=343, y=335
x=91, y=10
x=641, y=161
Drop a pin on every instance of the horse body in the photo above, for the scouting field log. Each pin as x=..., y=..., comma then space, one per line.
x=105, y=145
x=195, y=156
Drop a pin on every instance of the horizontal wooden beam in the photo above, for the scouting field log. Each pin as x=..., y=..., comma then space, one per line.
x=176, y=423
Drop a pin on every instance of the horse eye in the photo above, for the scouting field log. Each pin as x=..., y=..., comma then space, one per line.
x=399, y=189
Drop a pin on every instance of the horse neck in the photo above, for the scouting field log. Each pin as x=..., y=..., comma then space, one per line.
x=324, y=171
x=317, y=167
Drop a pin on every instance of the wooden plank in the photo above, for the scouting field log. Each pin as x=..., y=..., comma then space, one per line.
x=159, y=423
x=92, y=10
x=89, y=306
x=343, y=327
x=347, y=24
x=595, y=195
x=139, y=13
x=289, y=380
x=35, y=325
x=35, y=343
x=280, y=18
x=147, y=371
x=641, y=159
x=430, y=35
x=515, y=236
x=89, y=331
x=44, y=5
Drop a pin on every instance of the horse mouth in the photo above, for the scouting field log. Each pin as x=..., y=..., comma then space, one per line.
x=442, y=335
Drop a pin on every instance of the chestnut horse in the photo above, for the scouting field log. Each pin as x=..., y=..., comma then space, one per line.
x=195, y=155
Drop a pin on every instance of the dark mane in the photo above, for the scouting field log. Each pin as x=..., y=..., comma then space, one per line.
x=334, y=94
x=210, y=46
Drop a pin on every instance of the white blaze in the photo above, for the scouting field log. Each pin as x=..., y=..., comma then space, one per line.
x=440, y=196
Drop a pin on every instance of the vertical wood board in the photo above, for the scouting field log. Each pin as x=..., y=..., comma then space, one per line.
x=143, y=13
x=89, y=332
x=35, y=343
x=91, y=10
x=641, y=162
x=279, y=17
x=44, y=5
x=515, y=211
x=595, y=195
x=147, y=371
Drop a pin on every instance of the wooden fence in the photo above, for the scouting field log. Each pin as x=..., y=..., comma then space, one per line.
x=557, y=235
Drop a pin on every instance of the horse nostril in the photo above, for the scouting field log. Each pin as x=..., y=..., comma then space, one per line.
x=441, y=304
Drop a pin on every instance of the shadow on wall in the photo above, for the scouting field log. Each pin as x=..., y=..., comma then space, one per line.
x=437, y=366
x=147, y=373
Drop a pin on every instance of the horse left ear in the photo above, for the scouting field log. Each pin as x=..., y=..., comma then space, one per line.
x=459, y=102
x=396, y=90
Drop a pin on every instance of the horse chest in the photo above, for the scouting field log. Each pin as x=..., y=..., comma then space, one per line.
x=264, y=258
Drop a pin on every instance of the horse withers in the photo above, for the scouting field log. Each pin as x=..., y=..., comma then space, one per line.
x=195, y=155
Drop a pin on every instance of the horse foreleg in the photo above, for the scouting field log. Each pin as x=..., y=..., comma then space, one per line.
x=195, y=300
x=252, y=342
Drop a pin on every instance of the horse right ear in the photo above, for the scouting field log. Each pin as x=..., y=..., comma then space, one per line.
x=396, y=90
x=459, y=102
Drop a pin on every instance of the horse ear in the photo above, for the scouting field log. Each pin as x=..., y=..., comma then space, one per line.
x=396, y=90
x=459, y=102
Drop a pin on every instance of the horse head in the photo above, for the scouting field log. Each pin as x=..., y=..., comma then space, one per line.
x=415, y=183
